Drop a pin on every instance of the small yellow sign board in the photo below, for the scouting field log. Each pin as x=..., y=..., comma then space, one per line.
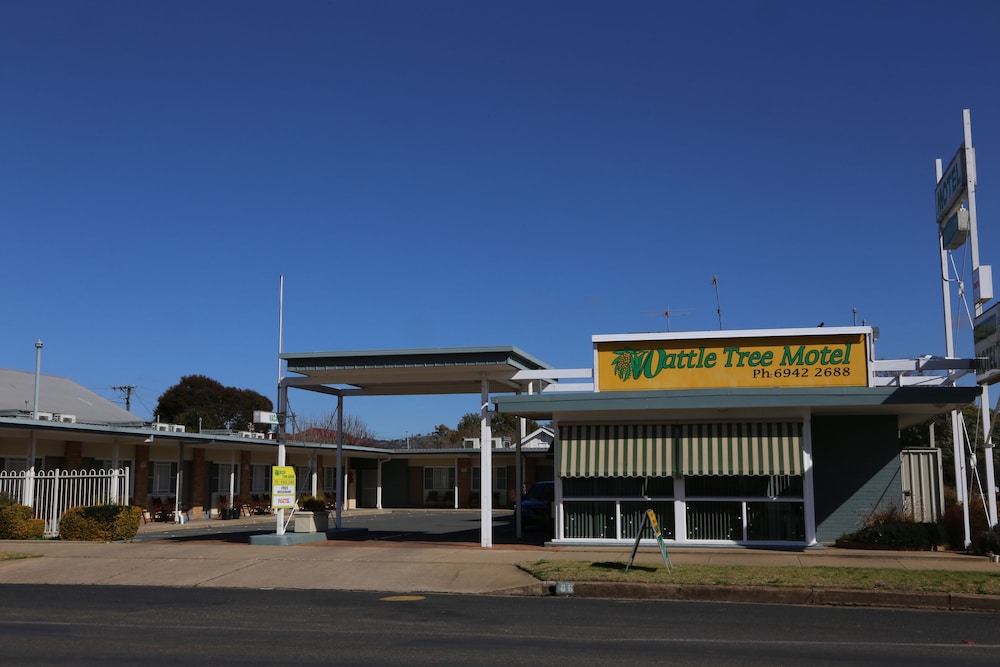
x=282, y=487
x=649, y=519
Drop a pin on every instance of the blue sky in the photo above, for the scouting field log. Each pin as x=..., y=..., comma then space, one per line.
x=438, y=174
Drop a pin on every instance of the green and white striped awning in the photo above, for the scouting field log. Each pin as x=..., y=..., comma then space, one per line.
x=740, y=449
x=658, y=450
x=619, y=450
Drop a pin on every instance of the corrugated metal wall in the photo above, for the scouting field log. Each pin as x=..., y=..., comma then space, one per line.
x=923, y=485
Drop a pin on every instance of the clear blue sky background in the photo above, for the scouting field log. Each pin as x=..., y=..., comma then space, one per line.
x=437, y=174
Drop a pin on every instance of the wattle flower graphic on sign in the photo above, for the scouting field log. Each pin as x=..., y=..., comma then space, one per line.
x=628, y=363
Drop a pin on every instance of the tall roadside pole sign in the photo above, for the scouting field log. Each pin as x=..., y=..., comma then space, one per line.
x=955, y=212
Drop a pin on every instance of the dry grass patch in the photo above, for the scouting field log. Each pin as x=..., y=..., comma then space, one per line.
x=14, y=555
x=864, y=579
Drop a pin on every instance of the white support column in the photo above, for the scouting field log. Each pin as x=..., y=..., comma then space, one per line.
x=485, y=467
x=949, y=341
x=519, y=469
x=680, y=509
x=808, y=480
x=961, y=482
x=340, y=458
x=115, y=447
x=28, y=491
x=314, y=477
x=178, y=504
x=991, y=479
x=232, y=478
x=558, y=533
x=282, y=417
x=378, y=487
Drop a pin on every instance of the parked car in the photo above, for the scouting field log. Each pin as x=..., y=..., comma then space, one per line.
x=536, y=506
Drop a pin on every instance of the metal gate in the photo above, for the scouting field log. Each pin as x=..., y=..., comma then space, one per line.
x=53, y=492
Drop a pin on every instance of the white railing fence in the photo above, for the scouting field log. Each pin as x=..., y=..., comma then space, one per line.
x=52, y=492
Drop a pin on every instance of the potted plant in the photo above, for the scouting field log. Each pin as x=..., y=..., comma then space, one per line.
x=312, y=516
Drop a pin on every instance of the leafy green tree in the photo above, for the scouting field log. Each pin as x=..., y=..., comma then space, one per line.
x=446, y=437
x=199, y=402
x=920, y=436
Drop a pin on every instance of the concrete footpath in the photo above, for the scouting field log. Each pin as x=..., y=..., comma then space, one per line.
x=215, y=553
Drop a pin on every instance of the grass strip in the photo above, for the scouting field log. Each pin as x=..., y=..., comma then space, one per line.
x=849, y=578
x=14, y=555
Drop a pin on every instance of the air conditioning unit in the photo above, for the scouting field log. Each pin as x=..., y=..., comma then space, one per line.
x=168, y=428
x=45, y=416
x=66, y=419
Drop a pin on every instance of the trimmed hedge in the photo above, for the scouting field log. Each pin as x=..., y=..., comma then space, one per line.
x=100, y=523
x=18, y=522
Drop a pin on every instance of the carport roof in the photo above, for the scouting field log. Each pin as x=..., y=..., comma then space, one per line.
x=458, y=370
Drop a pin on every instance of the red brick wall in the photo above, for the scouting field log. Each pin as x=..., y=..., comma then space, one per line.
x=74, y=455
x=141, y=481
x=199, y=483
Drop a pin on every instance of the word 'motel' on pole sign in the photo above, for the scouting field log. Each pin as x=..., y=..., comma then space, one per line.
x=951, y=187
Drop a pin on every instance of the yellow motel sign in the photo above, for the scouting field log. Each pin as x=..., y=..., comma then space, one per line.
x=839, y=360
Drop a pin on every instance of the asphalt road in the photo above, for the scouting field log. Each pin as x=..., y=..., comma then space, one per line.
x=91, y=625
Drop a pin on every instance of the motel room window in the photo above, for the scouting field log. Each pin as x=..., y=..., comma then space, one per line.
x=108, y=464
x=330, y=478
x=439, y=479
x=222, y=475
x=260, y=479
x=499, y=478
x=162, y=477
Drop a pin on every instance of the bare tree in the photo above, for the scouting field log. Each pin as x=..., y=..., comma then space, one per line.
x=323, y=430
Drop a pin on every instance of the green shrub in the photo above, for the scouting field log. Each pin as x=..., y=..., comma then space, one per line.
x=953, y=521
x=100, y=523
x=902, y=535
x=313, y=504
x=18, y=522
x=988, y=541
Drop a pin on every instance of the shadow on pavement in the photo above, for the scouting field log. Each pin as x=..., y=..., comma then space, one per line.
x=444, y=528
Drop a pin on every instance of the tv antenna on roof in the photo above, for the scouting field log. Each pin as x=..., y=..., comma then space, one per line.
x=668, y=313
x=718, y=301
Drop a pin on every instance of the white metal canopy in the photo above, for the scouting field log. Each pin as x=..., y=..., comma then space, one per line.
x=414, y=372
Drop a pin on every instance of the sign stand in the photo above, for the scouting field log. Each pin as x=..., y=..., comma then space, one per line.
x=649, y=518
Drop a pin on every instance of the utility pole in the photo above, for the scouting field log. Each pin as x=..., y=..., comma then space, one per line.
x=128, y=394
